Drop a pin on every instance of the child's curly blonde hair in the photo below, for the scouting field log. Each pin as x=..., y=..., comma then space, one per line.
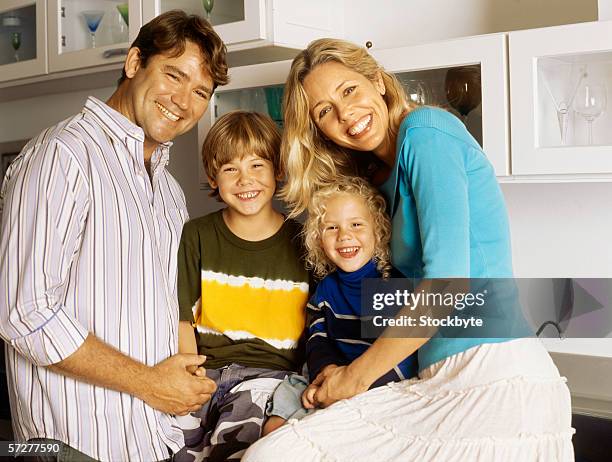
x=316, y=259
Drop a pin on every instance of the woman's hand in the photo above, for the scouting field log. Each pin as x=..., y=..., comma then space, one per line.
x=337, y=383
x=308, y=396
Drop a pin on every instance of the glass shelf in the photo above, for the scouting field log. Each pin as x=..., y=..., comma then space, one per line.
x=88, y=24
x=267, y=100
x=223, y=11
x=573, y=100
x=18, y=35
x=456, y=89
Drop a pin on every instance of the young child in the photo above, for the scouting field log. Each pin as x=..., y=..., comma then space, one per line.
x=347, y=236
x=243, y=285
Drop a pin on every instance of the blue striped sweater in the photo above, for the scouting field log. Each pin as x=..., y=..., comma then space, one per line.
x=334, y=325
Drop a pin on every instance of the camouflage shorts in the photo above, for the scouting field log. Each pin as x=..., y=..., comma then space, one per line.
x=231, y=421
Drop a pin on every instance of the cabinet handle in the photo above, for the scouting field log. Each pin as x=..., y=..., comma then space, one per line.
x=115, y=52
x=369, y=44
x=63, y=11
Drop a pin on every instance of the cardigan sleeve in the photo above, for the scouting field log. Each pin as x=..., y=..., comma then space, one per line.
x=436, y=174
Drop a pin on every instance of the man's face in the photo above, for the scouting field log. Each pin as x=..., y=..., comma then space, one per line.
x=168, y=96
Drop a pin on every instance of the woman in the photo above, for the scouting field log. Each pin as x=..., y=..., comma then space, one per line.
x=476, y=398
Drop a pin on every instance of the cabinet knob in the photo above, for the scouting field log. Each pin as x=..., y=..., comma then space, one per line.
x=369, y=44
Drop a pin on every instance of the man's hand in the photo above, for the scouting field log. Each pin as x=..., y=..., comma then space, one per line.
x=172, y=389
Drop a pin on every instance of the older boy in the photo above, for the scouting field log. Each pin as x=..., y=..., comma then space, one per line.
x=242, y=283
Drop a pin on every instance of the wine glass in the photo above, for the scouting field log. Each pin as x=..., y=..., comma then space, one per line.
x=417, y=90
x=463, y=90
x=561, y=81
x=16, y=42
x=208, y=7
x=93, y=18
x=590, y=102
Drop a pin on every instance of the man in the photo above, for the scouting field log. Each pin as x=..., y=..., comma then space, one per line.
x=91, y=222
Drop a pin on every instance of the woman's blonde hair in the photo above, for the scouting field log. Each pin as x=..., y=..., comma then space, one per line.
x=316, y=259
x=309, y=159
x=237, y=134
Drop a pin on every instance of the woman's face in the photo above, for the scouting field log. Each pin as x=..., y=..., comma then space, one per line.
x=348, y=108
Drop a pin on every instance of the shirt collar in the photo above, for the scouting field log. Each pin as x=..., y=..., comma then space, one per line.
x=120, y=127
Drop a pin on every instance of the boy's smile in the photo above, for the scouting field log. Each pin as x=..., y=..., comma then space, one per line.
x=246, y=185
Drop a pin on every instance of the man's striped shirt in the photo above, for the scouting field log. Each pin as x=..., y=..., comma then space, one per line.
x=88, y=244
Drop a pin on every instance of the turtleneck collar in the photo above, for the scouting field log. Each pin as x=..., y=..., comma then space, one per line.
x=354, y=278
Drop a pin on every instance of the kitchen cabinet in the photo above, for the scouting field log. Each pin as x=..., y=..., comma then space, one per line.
x=86, y=33
x=257, y=31
x=257, y=87
x=467, y=76
x=560, y=87
x=23, y=49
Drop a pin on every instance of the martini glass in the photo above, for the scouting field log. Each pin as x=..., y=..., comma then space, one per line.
x=93, y=18
x=16, y=42
x=208, y=7
x=590, y=102
x=561, y=81
x=124, y=12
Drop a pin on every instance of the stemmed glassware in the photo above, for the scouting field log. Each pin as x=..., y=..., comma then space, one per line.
x=208, y=7
x=16, y=43
x=418, y=91
x=93, y=18
x=561, y=80
x=463, y=89
x=590, y=102
x=124, y=12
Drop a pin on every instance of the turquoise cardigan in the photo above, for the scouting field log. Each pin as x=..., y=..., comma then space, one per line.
x=448, y=213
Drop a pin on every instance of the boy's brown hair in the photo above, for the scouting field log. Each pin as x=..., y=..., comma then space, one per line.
x=237, y=134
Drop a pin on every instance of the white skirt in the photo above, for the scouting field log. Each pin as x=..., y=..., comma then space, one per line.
x=493, y=402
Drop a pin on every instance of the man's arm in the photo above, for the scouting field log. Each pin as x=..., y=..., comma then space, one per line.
x=167, y=386
x=44, y=211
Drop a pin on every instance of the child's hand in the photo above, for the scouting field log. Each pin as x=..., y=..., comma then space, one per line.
x=308, y=396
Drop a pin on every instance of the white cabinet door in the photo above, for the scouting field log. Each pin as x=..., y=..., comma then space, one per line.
x=560, y=87
x=236, y=21
x=259, y=31
x=86, y=33
x=23, y=31
x=258, y=87
x=467, y=76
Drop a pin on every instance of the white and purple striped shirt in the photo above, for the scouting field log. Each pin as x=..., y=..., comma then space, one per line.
x=88, y=243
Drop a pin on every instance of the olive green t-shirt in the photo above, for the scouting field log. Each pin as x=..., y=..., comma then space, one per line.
x=246, y=299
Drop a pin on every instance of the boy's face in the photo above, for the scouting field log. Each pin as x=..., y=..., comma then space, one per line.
x=347, y=233
x=246, y=185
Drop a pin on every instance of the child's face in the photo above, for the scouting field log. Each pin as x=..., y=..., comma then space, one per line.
x=246, y=185
x=348, y=232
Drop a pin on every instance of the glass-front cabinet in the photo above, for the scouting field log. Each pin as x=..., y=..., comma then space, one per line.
x=84, y=33
x=560, y=85
x=467, y=77
x=252, y=88
x=259, y=31
x=22, y=39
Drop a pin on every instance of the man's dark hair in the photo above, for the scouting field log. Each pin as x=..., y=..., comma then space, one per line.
x=168, y=33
